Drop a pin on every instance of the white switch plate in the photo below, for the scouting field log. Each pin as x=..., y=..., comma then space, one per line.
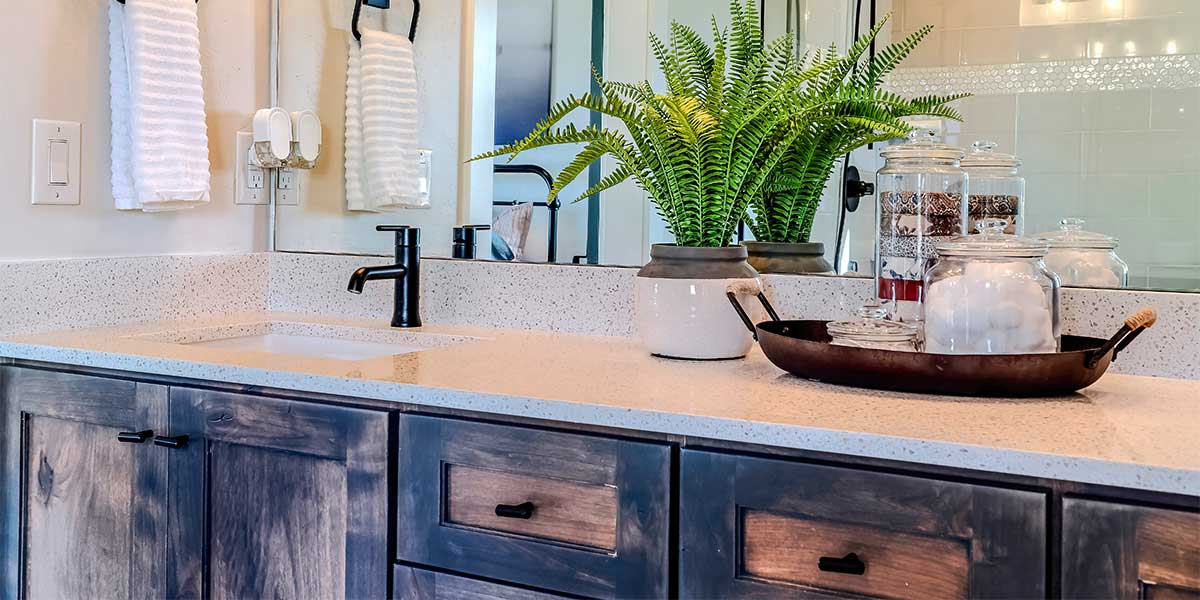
x=251, y=181
x=44, y=134
x=288, y=187
x=425, y=173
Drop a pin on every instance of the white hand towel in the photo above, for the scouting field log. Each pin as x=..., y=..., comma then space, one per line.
x=382, y=125
x=159, y=134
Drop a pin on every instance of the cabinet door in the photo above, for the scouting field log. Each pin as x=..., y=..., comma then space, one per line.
x=1129, y=552
x=295, y=494
x=87, y=507
x=417, y=584
x=764, y=528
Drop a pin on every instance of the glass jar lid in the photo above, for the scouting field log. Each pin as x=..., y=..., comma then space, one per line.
x=1071, y=234
x=923, y=143
x=991, y=241
x=983, y=154
x=874, y=326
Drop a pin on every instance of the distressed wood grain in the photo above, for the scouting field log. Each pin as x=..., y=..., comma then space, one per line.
x=637, y=473
x=1125, y=551
x=418, y=584
x=788, y=549
x=567, y=511
x=991, y=541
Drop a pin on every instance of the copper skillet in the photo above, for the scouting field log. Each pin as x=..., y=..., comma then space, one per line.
x=802, y=348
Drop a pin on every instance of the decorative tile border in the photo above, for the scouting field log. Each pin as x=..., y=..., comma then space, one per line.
x=1080, y=75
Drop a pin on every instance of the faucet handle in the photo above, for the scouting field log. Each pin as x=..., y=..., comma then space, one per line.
x=405, y=235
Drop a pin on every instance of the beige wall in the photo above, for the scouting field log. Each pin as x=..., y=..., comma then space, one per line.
x=55, y=66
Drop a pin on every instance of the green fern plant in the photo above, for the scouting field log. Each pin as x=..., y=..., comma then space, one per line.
x=721, y=140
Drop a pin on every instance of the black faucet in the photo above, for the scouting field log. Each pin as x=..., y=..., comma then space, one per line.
x=406, y=272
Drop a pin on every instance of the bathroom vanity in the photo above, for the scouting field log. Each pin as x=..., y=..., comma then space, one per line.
x=145, y=467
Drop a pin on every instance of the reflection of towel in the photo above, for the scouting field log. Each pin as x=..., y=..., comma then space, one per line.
x=512, y=226
x=159, y=135
x=382, y=160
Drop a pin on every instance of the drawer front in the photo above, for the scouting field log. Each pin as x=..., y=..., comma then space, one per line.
x=576, y=514
x=1129, y=552
x=777, y=529
x=417, y=584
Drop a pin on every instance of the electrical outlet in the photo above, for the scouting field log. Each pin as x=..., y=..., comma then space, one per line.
x=251, y=181
x=287, y=187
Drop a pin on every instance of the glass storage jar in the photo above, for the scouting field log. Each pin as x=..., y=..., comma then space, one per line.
x=922, y=201
x=991, y=293
x=997, y=190
x=874, y=330
x=1084, y=258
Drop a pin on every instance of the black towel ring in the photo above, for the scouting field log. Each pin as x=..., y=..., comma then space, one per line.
x=123, y=1
x=358, y=4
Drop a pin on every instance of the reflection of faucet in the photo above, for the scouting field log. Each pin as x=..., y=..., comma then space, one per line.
x=406, y=272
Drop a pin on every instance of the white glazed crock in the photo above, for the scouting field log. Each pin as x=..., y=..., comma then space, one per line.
x=682, y=307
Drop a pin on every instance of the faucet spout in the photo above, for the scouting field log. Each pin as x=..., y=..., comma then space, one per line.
x=365, y=274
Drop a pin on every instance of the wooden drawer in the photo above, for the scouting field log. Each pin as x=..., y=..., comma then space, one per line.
x=1129, y=552
x=578, y=514
x=755, y=527
x=417, y=584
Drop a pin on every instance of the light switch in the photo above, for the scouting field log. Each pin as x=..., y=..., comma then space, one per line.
x=56, y=162
x=60, y=162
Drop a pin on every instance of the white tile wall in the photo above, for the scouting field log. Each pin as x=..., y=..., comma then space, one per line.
x=1127, y=160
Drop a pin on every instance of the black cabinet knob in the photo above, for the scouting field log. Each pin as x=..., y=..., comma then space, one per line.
x=849, y=564
x=523, y=510
x=172, y=442
x=135, y=437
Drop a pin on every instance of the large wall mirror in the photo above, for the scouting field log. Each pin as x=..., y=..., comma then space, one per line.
x=1100, y=100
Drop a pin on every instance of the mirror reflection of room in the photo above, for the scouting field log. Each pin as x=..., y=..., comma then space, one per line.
x=1088, y=103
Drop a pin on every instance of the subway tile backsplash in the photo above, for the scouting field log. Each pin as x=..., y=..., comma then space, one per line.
x=1107, y=131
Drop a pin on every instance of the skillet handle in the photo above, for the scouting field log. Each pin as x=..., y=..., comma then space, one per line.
x=1132, y=327
x=748, y=288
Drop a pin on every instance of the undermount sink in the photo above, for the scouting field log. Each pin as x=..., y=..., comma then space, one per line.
x=315, y=340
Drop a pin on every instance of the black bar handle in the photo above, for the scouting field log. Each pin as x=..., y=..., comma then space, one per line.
x=135, y=437
x=849, y=564
x=172, y=442
x=523, y=510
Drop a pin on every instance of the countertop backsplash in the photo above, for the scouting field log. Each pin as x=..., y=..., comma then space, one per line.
x=59, y=294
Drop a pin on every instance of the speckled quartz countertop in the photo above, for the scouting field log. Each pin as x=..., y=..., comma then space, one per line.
x=1127, y=431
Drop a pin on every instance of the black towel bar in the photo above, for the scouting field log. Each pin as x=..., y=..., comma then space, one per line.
x=384, y=4
x=123, y=1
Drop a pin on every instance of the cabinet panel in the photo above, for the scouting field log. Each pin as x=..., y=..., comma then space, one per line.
x=417, y=584
x=766, y=528
x=296, y=494
x=1113, y=550
x=577, y=514
x=88, y=510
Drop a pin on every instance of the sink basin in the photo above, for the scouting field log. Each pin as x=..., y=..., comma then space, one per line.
x=314, y=340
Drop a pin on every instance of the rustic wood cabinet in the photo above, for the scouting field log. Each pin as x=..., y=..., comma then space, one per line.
x=115, y=488
x=295, y=494
x=578, y=514
x=1128, y=552
x=763, y=528
x=83, y=510
x=210, y=495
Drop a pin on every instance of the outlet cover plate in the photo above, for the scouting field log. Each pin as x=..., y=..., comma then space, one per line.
x=251, y=182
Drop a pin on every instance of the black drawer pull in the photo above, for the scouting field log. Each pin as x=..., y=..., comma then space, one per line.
x=135, y=437
x=523, y=510
x=173, y=442
x=849, y=564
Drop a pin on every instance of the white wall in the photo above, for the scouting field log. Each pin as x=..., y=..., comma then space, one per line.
x=55, y=66
x=313, y=45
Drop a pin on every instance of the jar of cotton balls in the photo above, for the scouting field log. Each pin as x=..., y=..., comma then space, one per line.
x=991, y=293
x=1083, y=258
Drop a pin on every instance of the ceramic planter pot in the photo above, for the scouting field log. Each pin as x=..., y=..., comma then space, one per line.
x=682, y=309
x=789, y=259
